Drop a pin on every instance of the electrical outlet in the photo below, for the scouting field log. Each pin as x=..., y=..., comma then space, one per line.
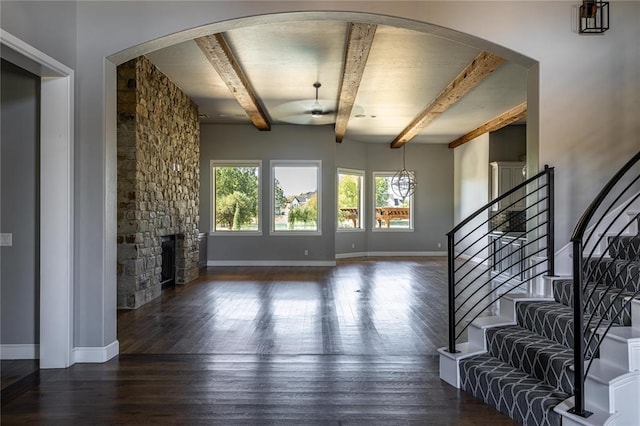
x=306, y=252
x=6, y=240
x=353, y=245
x=439, y=245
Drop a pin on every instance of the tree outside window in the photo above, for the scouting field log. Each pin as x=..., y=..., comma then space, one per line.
x=296, y=189
x=236, y=196
x=350, y=187
x=391, y=212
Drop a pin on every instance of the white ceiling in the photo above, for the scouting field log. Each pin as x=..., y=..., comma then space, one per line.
x=405, y=71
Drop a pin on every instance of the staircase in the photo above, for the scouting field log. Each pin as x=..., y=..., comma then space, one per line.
x=521, y=359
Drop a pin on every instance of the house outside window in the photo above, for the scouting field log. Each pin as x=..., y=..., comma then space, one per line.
x=391, y=213
x=295, y=197
x=350, y=195
x=236, y=197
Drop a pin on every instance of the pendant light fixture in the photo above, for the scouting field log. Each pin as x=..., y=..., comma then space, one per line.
x=403, y=183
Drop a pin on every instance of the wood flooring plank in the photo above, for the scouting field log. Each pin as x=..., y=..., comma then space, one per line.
x=350, y=345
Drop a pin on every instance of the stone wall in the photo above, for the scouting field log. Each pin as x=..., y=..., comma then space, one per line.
x=158, y=181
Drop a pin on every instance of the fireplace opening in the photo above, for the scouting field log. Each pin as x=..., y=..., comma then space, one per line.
x=168, y=274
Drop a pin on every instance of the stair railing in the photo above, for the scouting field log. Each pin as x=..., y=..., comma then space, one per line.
x=593, y=238
x=485, y=263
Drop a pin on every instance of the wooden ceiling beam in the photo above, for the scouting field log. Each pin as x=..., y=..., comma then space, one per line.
x=217, y=51
x=359, y=41
x=481, y=66
x=508, y=117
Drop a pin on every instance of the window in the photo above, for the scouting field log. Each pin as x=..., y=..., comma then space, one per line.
x=350, y=196
x=236, y=196
x=391, y=212
x=295, y=195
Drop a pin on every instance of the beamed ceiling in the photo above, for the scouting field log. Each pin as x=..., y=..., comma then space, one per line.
x=379, y=84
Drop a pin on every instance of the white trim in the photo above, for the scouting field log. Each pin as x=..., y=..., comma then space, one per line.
x=326, y=262
x=96, y=354
x=391, y=254
x=407, y=253
x=351, y=255
x=374, y=228
x=363, y=212
x=19, y=351
x=294, y=163
x=235, y=163
x=56, y=199
x=474, y=259
x=271, y=263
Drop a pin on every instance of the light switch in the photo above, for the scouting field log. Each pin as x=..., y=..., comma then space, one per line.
x=6, y=240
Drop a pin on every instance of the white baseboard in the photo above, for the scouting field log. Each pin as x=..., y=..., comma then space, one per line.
x=475, y=259
x=96, y=354
x=20, y=351
x=271, y=263
x=406, y=253
x=325, y=262
x=351, y=255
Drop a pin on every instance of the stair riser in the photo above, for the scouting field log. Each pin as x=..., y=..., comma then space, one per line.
x=620, y=396
x=477, y=337
x=623, y=354
x=597, y=395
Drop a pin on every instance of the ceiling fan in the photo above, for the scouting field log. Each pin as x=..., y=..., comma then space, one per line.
x=308, y=112
x=316, y=108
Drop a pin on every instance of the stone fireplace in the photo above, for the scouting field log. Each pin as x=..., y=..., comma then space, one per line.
x=158, y=182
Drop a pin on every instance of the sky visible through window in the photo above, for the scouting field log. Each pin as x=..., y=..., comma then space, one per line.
x=297, y=180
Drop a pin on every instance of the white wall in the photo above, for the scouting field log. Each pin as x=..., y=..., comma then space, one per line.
x=471, y=177
x=585, y=114
x=471, y=191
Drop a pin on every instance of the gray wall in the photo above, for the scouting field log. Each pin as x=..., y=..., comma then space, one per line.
x=281, y=143
x=585, y=144
x=433, y=199
x=19, y=275
x=50, y=26
x=353, y=155
x=508, y=144
x=433, y=205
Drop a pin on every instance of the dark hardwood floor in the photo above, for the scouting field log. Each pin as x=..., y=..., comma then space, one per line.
x=354, y=344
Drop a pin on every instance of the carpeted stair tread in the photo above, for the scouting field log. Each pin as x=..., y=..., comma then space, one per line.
x=552, y=320
x=620, y=313
x=621, y=273
x=533, y=354
x=624, y=247
x=522, y=397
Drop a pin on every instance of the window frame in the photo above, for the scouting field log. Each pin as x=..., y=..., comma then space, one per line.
x=362, y=210
x=273, y=164
x=235, y=163
x=374, y=228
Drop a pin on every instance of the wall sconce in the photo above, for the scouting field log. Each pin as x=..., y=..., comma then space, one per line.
x=593, y=17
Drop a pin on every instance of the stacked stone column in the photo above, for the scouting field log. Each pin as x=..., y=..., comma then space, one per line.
x=158, y=181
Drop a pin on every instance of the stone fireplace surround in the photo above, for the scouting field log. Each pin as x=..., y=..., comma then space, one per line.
x=158, y=181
